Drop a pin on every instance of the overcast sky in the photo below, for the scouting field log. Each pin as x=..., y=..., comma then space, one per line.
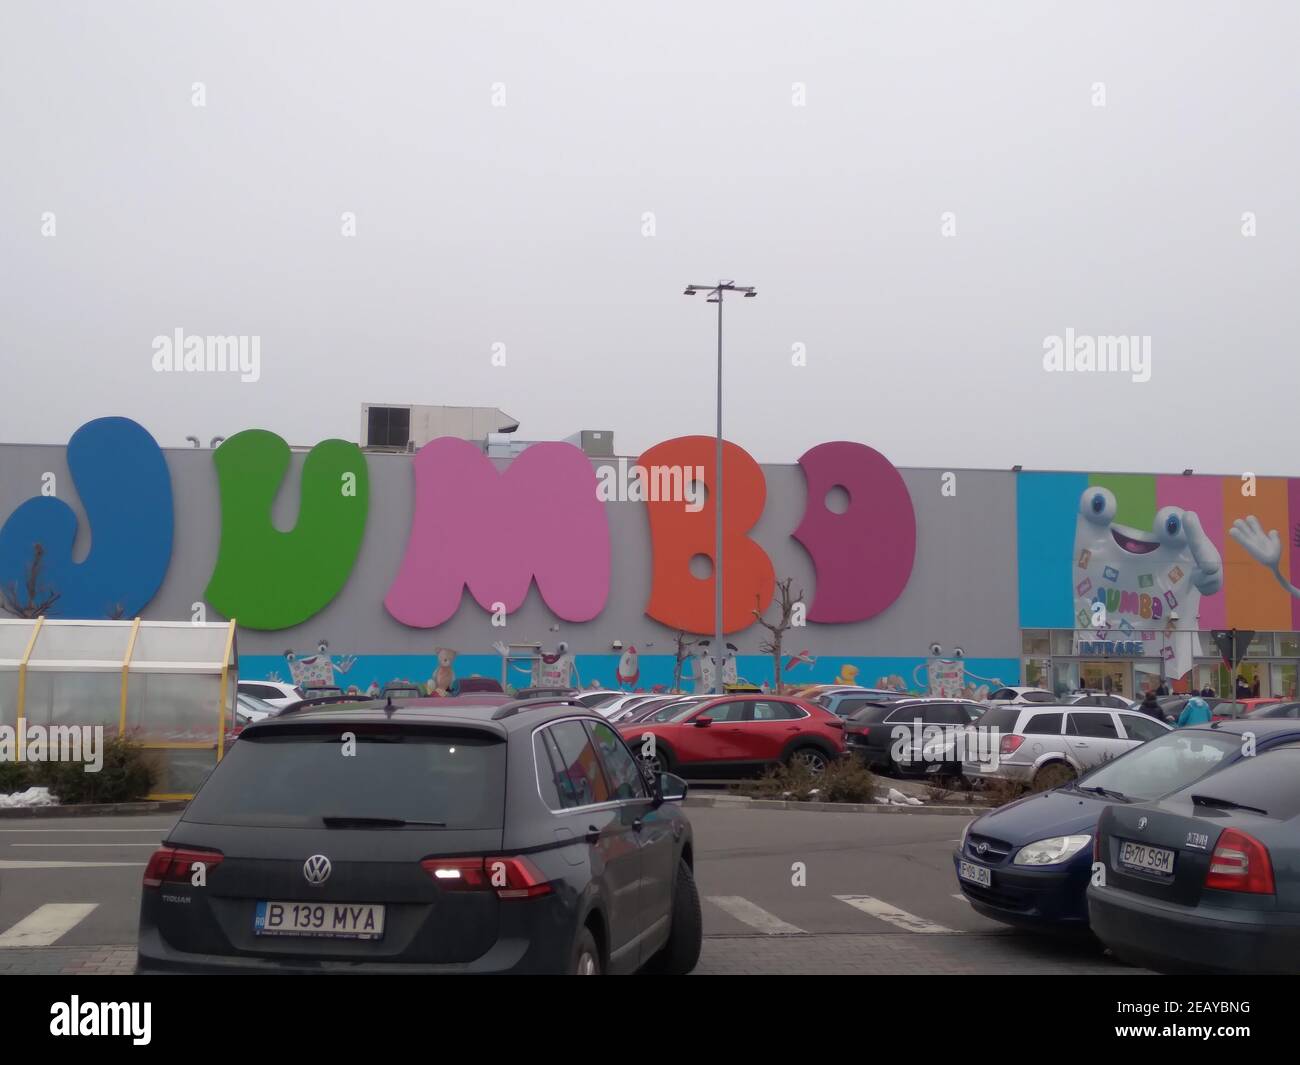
x=524, y=225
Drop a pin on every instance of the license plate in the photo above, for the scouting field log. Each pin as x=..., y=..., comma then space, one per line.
x=1146, y=859
x=327, y=920
x=976, y=874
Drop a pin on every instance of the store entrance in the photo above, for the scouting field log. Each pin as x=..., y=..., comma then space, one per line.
x=1110, y=677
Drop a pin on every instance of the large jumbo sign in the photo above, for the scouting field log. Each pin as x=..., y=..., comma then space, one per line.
x=465, y=532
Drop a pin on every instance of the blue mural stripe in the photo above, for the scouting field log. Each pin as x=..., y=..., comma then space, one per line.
x=362, y=673
x=1047, y=505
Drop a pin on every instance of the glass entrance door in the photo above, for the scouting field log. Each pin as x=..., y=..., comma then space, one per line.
x=1110, y=677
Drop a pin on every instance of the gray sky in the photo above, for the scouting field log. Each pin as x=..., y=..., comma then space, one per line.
x=522, y=225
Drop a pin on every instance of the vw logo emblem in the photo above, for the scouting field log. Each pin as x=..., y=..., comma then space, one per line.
x=982, y=848
x=1142, y=823
x=316, y=869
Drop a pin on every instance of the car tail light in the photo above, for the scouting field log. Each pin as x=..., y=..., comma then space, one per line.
x=510, y=878
x=1096, y=846
x=1240, y=863
x=177, y=864
x=1010, y=744
x=836, y=723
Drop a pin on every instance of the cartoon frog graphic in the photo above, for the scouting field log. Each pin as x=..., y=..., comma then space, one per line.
x=1134, y=586
x=948, y=678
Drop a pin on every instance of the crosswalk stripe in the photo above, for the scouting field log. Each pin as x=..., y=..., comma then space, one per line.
x=46, y=924
x=746, y=912
x=874, y=907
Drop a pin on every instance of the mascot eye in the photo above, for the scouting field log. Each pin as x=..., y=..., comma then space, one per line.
x=1170, y=525
x=957, y=652
x=1098, y=505
x=936, y=649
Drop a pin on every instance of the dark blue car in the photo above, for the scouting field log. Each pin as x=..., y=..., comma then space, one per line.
x=1028, y=863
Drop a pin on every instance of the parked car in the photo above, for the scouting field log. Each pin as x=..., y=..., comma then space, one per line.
x=654, y=710
x=875, y=731
x=524, y=840
x=597, y=698
x=1241, y=708
x=1046, y=746
x=845, y=702
x=635, y=710
x=1002, y=696
x=248, y=708
x=1270, y=710
x=275, y=692
x=1207, y=878
x=1173, y=705
x=474, y=685
x=1095, y=698
x=735, y=735
x=1028, y=863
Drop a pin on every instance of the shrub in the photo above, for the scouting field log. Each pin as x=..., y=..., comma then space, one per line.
x=15, y=776
x=844, y=780
x=126, y=776
x=1000, y=792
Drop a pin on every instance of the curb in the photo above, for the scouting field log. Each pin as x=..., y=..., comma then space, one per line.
x=94, y=809
x=746, y=803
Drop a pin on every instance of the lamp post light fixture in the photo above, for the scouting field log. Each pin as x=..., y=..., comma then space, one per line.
x=716, y=293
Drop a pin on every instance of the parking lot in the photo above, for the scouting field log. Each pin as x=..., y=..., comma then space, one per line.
x=785, y=891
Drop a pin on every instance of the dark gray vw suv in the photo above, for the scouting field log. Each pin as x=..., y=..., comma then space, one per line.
x=408, y=836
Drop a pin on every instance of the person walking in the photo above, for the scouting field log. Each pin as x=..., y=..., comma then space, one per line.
x=1150, y=706
x=1196, y=712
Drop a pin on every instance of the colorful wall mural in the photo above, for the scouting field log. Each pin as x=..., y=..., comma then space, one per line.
x=1164, y=555
x=914, y=575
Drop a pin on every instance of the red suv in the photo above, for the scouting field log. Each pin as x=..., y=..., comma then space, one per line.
x=731, y=735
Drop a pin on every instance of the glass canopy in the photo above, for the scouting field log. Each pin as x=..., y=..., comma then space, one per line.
x=168, y=686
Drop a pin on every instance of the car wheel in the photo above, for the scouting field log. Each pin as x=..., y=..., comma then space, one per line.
x=661, y=762
x=586, y=955
x=1053, y=775
x=814, y=759
x=686, y=933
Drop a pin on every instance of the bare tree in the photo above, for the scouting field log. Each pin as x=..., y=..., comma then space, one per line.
x=33, y=598
x=786, y=602
x=684, y=645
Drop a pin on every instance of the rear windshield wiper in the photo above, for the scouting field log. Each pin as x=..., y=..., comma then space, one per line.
x=1107, y=792
x=378, y=822
x=1225, y=804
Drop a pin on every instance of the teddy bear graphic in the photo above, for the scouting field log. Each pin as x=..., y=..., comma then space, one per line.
x=444, y=676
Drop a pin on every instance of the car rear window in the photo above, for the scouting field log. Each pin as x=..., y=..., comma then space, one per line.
x=295, y=778
x=1001, y=718
x=872, y=713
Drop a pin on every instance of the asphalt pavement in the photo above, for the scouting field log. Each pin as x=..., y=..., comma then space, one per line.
x=785, y=891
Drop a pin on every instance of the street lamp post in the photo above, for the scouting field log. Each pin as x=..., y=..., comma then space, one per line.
x=719, y=646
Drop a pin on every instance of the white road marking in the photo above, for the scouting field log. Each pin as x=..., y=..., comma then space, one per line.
x=877, y=908
x=109, y=844
x=959, y=895
x=80, y=831
x=746, y=912
x=46, y=924
x=37, y=864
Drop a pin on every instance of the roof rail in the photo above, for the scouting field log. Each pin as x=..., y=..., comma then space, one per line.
x=510, y=709
x=324, y=700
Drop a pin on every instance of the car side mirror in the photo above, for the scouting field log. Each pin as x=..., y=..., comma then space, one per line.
x=703, y=722
x=672, y=788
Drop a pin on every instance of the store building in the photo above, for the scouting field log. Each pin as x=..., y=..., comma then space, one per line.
x=370, y=566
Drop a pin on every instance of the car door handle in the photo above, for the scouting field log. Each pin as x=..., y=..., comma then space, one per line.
x=593, y=834
x=1080, y=743
x=636, y=825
